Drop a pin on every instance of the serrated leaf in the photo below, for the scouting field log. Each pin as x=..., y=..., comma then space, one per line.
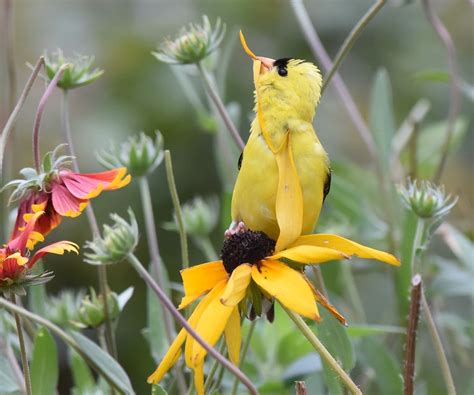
x=82, y=376
x=107, y=366
x=44, y=365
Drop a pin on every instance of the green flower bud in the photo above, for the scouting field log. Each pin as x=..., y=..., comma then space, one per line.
x=91, y=312
x=139, y=154
x=117, y=241
x=63, y=308
x=79, y=74
x=427, y=200
x=193, y=44
x=200, y=217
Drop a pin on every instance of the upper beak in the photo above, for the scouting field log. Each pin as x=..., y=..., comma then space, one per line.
x=261, y=64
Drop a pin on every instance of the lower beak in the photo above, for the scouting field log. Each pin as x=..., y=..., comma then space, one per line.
x=261, y=65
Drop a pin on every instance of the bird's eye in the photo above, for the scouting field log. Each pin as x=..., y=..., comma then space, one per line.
x=282, y=71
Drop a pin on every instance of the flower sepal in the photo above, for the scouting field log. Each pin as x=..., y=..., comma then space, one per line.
x=19, y=285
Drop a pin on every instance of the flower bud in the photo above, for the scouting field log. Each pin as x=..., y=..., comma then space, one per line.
x=139, y=154
x=193, y=43
x=63, y=308
x=79, y=73
x=117, y=241
x=427, y=200
x=200, y=217
x=91, y=312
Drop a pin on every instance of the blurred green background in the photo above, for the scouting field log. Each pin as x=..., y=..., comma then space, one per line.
x=138, y=93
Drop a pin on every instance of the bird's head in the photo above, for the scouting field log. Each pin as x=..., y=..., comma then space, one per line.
x=287, y=82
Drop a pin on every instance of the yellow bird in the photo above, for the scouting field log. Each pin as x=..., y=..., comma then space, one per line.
x=284, y=172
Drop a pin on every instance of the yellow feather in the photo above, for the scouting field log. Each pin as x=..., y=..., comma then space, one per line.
x=283, y=104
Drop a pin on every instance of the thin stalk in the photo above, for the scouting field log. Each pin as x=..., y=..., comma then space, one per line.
x=218, y=382
x=352, y=291
x=323, y=352
x=214, y=95
x=101, y=269
x=413, y=319
x=166, y=302
x=68, y=339
x=320, y=53
x=10, y=54
x=351, y=39
x=177, y=209
x=39, y=114
x=420, y=228
x=454, y=91
x=24, y=356
x=156, y=261
x=7, y=129
x=245, y=349
x=319, y=279
x=212, y=372
x=206, y=247
x=438, y=346
x=413, y=150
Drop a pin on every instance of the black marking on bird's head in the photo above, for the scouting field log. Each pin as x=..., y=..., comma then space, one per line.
x=282, y=66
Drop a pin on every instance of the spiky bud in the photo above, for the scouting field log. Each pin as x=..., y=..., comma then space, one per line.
x=91, y=312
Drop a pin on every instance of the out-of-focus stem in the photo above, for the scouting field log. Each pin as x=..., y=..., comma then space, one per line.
x=177, y=209
x=413, y=319
x=454, y=91
x=39, y=114
x=214, y=95
x=10, y=49
x=320, y=53
x=351, y=39
x=351, y=287
x=245, y=349
x=213, y=370
x=12, y=118
x=420, y=228
x=101, y=269
x=323, y=352
x=166, y=302
x=24, y=356
x=438, y=346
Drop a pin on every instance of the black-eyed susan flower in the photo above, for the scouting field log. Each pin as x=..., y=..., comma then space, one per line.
x=250, y=263
x=15, y=261
x=59, y=192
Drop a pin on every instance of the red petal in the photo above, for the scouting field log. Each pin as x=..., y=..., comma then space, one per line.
x=65, y=203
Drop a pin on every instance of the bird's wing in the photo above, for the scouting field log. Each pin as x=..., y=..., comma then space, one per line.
x=241, y=157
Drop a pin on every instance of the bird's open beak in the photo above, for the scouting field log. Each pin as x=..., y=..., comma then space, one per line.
x=261, y=65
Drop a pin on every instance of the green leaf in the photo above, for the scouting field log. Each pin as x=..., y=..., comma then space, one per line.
x=44, y=365
x=158, y=390
x=381, y=119
x=107, y=366
x=332, y=381
x=8, y=383
x=371, y=330
x=376, y=356
x=81, y=374
x=432, y=75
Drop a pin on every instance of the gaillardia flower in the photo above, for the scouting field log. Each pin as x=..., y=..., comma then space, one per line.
x=14, y=257
x=251, y=267
x=59, y=192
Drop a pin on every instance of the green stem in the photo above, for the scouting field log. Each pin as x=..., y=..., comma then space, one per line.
x=245, y=349
x=438, y=346
x=205, y=245
x=24, y=356
x=92, y=219
x=212, y=372
x=61, y=334
x=351, y=39
x=214, y=95
x=323, y=352
x=177, y=209
x=420, y=228
x=352, y=291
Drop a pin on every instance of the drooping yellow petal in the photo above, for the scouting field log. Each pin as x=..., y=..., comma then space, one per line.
x=169, y=359
x=309, y=254
x=232, y=336
x=210, y=326
x=237, y=285
x=289, y=198
x=246, y=47
x=199, y=378
x=201, y=278
x=193, y=320
x=286, y=285
x=346, y=246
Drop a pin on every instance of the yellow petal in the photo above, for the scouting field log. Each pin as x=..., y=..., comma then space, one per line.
x=199, y=378
x=210, y=326
x=196, y=315
x=347, y=247
x=287, y=286
x=169, y=359
x=201, y=278
x=246, y=47
x=233, y=337
x=237, y=285
x=309, y=254
x=289, y=199
x=20, y=260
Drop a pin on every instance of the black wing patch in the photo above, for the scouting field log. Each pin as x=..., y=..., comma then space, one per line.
x=239, y=164
x=327, y=185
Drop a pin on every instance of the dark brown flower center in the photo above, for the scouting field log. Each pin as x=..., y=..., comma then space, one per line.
x=246, y=247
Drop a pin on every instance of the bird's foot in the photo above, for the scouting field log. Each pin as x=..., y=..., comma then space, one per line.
x=235, y=228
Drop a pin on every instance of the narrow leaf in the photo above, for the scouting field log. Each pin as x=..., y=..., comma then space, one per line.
x=44, y=365
x=81, y=374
